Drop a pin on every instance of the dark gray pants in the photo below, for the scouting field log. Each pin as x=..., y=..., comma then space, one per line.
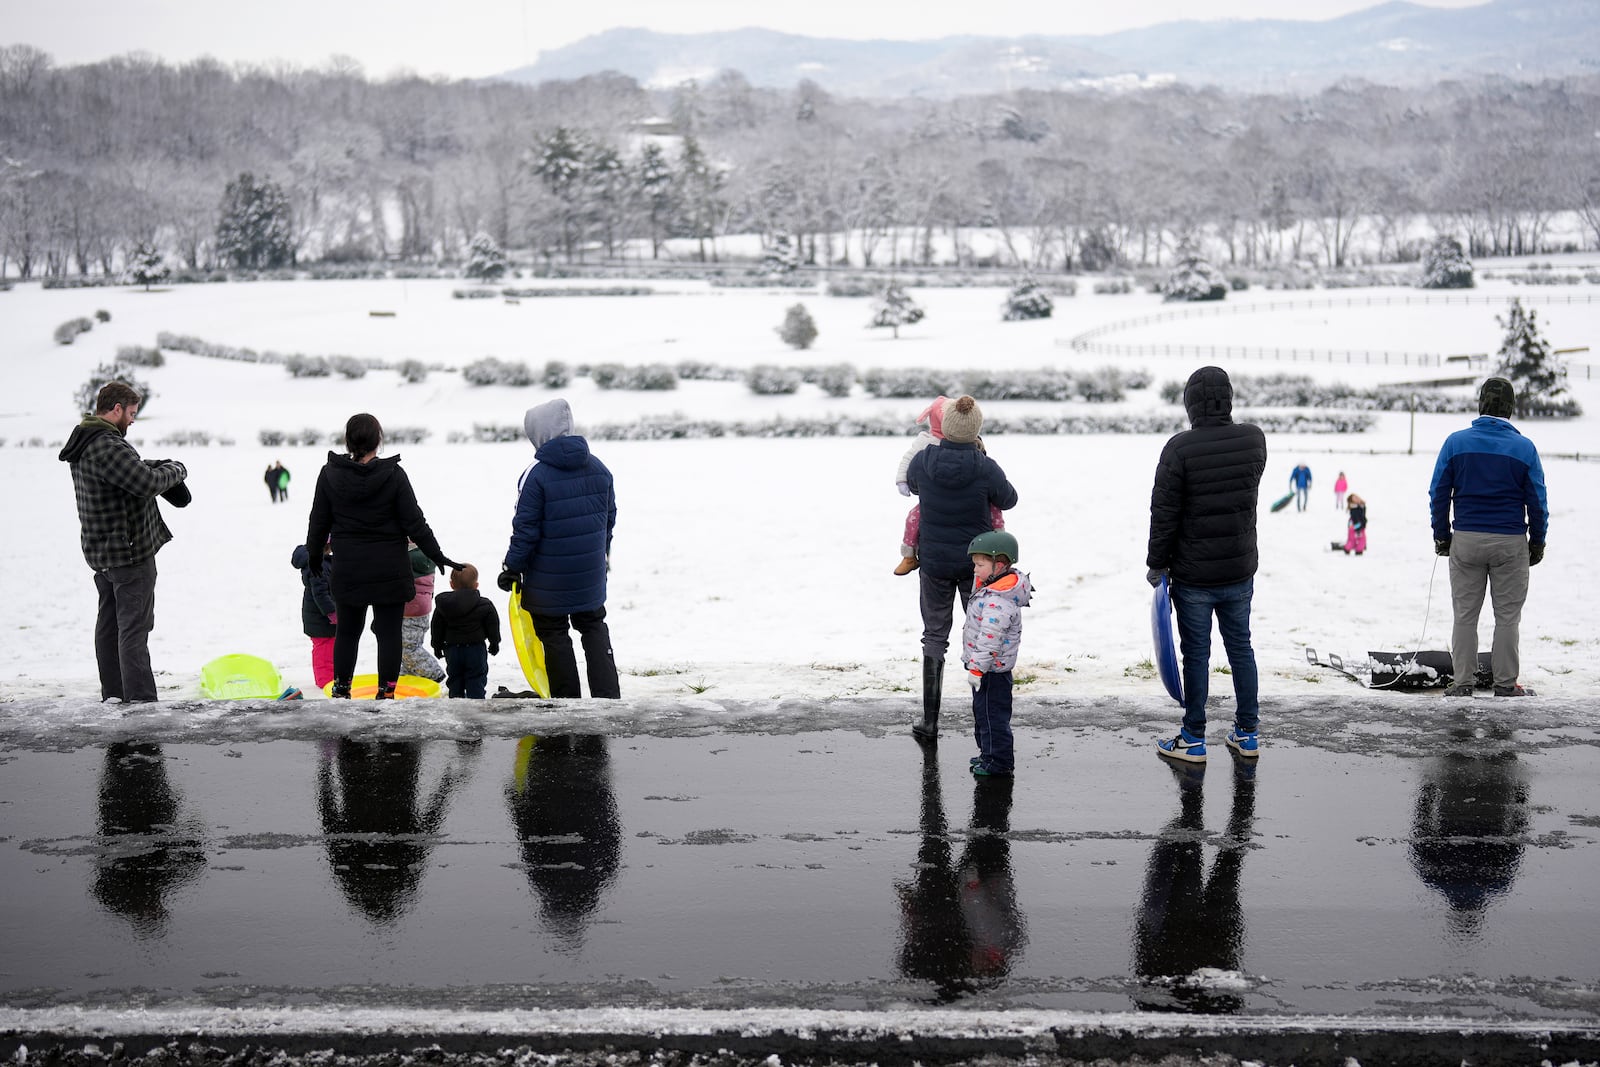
x=122, y=630
x=938, y=603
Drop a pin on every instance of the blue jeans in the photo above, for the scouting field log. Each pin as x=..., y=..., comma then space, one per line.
x=1302, y=493
x=1195, y=604
x=467, y=670
x=991, y=722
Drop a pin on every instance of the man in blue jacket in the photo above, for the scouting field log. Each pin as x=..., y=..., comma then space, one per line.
x=1491, y=475
x=560, y=544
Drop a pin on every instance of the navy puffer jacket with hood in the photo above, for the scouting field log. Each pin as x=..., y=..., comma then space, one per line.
x=1203, y=506
x=955, y=484
x=566, y=511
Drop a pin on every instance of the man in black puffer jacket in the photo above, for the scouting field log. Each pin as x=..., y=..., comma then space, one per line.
x=956, y=484
x=1203, y=540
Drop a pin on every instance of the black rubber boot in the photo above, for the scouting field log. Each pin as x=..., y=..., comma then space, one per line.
x=932, y=681
x=341, y=689
x=385, y=691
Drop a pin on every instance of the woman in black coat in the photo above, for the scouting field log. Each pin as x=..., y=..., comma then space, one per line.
x=368, y=506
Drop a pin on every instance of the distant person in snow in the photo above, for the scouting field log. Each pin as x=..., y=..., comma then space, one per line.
x=120, y=531
x=368, y=507
x=1355, y=538
x=1203, y=540
x=1490, y=476
x=277, y=479
x=958, y=486
x=1339, y=488
x=933, y=418
x=560, y=551
x=1300, y=482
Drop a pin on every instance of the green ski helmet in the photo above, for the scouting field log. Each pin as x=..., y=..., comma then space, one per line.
x=994, y=543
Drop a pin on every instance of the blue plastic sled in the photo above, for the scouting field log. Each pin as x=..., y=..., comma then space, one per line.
x=1166, y=647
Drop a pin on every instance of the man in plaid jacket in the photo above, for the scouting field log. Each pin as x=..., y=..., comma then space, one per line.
x=121, y=531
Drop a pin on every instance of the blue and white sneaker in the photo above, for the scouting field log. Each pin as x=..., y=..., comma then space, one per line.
x=1183, y=747
x=1247, y=745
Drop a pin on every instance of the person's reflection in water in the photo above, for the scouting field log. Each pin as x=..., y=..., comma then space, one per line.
x=1469, y=827
x=566, y=819
x=377, y=829
x=1189, y=932
x=961, y=929
x=144, y=851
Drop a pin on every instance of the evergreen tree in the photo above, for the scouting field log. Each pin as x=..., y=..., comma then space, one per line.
x=560, y=162
x=485, y=259
x=895, y=309
x=799, y=329
x=700, y=198
x=653, y=175
x=1194, y=278
x=254, y=231
x=1028, y=301
x=782, y=256
x=104, y=375
x=1526, y=360
x=146, y=267
x=1445, y=265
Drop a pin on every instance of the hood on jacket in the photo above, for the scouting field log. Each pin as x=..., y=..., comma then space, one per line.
x=547, y=421
x=1208, y=396
x=1013, y=584
x=86, y=431
x=954, y=465
x=567, y=452
x=362, y=480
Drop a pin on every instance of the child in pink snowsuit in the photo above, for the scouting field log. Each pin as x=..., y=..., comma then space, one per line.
x=1339, y=488
x=933, y=418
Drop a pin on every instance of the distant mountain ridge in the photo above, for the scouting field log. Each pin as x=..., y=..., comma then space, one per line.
x=1393, y=43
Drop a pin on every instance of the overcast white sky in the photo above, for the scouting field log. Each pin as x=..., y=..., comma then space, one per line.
x=474, y=38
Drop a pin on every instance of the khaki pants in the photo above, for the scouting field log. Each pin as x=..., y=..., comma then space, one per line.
x=1500, y=562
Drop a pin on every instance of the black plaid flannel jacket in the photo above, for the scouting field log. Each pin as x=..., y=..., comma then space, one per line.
x=116, y=490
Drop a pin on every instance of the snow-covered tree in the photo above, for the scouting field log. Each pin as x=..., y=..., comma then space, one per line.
x=653, y=174
x=1445, y=265
x=895, y=309
x=254, y=230
x=799, y=329
x=486, y=260
x=1526, y=360
x=145, y=266
x=782, y=256
x=1194, y=278
x=104, y=375
x=1028, y=301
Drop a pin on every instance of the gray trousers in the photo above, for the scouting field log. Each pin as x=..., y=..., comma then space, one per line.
x=938, y=603
x=122, y=630
x=1500, y=562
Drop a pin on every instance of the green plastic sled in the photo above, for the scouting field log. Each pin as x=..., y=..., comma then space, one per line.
x=239, y=676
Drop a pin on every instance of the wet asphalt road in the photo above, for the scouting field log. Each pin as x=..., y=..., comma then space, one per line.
x=1423, y=862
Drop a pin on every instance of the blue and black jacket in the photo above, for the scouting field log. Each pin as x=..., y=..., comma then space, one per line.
x=1491, y=474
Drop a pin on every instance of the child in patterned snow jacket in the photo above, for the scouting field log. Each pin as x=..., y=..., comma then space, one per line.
x=990, y=639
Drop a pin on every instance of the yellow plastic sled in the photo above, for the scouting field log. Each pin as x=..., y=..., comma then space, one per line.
x=365, y=687
x=239, y=676
x=530, y=650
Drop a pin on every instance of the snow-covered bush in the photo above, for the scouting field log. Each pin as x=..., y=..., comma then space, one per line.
x=1445, y=265
x=1041, y=384
x=894, y=309
x=135, y=356
x=103, y=375
x=300, y=366
x=650, y=377
x=474, y=294
x=102, y=315
x=694, y=370
x=766, y=379
x=1194, y=278
x=146, y=267
x=1027, y=300
x=413, y=370
x=1103, y=386
x=1113, y=286
x=68, y=331
x=485, y=260
x=556, y=375
x=349, y=366
x=899, y=382
x=485, y=371
x=515, y=373
x=835, y=379
x=799, y=329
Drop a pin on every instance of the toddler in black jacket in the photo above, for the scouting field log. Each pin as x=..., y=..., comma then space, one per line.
x=463, y=624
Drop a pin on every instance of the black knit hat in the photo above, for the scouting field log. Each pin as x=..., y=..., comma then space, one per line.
x=1497, y=397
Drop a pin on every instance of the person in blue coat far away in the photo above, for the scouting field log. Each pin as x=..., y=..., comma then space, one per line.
x=560, y=551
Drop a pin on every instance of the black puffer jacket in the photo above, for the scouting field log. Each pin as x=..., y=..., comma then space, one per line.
x=956, y=485
x=1203, y=506
x=370, y=508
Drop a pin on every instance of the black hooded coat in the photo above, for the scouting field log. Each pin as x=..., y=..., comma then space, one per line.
x=370, y=509
x=1208, y=481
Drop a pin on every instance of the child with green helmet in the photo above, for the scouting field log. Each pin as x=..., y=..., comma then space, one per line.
x=989, y=642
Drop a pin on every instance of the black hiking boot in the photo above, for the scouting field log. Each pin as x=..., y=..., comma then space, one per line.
x=341, y=689
x=932, y=681
x=385, y=691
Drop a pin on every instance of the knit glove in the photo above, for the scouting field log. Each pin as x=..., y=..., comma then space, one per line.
x=1441, y=546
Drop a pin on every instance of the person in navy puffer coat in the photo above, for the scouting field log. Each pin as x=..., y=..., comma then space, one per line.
x=560, y=551
x=956, y=485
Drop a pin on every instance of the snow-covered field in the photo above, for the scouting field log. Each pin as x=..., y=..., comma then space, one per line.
x=754, y=568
